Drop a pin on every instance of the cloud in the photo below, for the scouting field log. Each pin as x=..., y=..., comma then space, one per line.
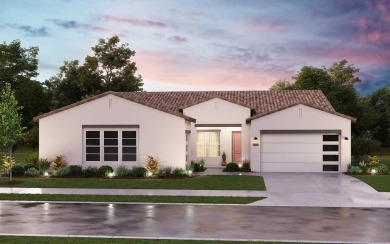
x=178, y=39
x=29, y=30
x=72, y=24
x=264, y=27
x=136, y=22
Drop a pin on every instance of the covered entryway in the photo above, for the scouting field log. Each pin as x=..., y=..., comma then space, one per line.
x=299, y=151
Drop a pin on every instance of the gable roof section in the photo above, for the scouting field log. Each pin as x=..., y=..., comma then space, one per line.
x=260, y=102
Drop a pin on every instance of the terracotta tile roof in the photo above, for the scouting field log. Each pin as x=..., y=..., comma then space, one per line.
x=260, y=102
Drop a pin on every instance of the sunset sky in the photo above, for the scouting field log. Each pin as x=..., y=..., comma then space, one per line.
x=209, y=44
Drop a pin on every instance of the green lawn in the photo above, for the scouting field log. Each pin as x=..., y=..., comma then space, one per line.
x=378, y=182
x=22, y=152
x=207, y=182
x=137, y=198
x=68, y=240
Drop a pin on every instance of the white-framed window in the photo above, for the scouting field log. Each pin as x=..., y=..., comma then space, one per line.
x=208, y=144
x=110, y=144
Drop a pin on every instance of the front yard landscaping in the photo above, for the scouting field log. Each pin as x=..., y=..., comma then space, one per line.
x=136, y=198
x=207, y=182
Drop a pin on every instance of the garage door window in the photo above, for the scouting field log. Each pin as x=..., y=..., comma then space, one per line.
x=110, y=145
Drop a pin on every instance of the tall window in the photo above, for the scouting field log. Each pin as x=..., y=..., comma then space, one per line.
x=111, y=145
x=208, y=144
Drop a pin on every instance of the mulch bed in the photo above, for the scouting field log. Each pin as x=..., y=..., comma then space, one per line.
x=240, y=170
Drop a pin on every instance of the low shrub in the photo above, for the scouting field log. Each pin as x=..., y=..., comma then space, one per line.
x=232, y=167
x=44, y=164
x=31, y=172
x=152, y=164
x=122, y=171
x=59, y=162
x=246, y=164
x=61, y=172
x=104, y=170
x=179, y=172
x=75, y=170
x=90, y=171
x=197, y=166
x=380, y=168
x=138, y=171
x=160, y=173
x=32, y=158
x=30, y=165
x=167, y=170
x=354, y=169
x=18, y=170
x=8, y=162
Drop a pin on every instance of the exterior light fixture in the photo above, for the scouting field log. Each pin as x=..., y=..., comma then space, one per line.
x=346, y=138
x=150, y=173
x=373, y=172
x=189, y=172
x=46, y=174
x=255, y=141
x=240, y=166
x=111, y=174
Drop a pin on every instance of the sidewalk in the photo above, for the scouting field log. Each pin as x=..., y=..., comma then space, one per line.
x=144, y=192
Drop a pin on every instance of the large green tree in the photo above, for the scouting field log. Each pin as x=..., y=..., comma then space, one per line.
x=380, y=102
x=19, y=68
x=109, y=69
x=11, y=130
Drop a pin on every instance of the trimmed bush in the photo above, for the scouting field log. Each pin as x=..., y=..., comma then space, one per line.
x=18, y=170
x=59, y=162
x=44, y=164
x=32, y=158
x=354, y=169
x=380, y=168
x=138, y=171
x=75, y=170
x=31, y=172
x=246, y=165
x=179, y=172
x=232, y=167
x=61, y=172
x=160, y=173
x=197, y=166
x=104, y=170
x=29, y=166
x=90, y=171
x=122, y=171
x=167, y=170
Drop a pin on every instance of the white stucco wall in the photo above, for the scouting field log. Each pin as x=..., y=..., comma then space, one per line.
x=161, y=135
x=301, y=117
x=220, y=112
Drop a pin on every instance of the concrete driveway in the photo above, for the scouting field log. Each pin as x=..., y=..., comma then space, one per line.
x=319, y=190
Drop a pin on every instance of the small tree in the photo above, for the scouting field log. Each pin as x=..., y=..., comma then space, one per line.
x=11, y=129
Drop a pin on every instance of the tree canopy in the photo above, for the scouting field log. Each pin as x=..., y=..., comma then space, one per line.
x=109, y=69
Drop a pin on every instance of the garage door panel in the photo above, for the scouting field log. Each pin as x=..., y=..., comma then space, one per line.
x=292, y=147
x=296, y=167
x=291, y=158
x=292, y=138
x=294, y=152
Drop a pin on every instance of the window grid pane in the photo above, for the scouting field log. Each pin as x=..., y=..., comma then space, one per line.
x=129, y=146
x=92, y=142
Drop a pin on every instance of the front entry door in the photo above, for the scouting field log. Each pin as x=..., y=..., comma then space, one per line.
x=236, y=146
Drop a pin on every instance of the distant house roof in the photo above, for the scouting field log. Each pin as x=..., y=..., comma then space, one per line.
x=261, y=103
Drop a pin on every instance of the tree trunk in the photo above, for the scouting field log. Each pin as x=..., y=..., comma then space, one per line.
x=11, y=165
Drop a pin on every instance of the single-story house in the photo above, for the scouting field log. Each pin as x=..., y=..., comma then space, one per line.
x=278, y=131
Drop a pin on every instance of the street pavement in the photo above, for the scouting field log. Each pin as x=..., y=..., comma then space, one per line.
x=213, y=222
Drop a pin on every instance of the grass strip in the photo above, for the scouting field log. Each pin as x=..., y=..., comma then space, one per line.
x=206, y=182
x=71, y=240
x=380, y=183
x=136, y=198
